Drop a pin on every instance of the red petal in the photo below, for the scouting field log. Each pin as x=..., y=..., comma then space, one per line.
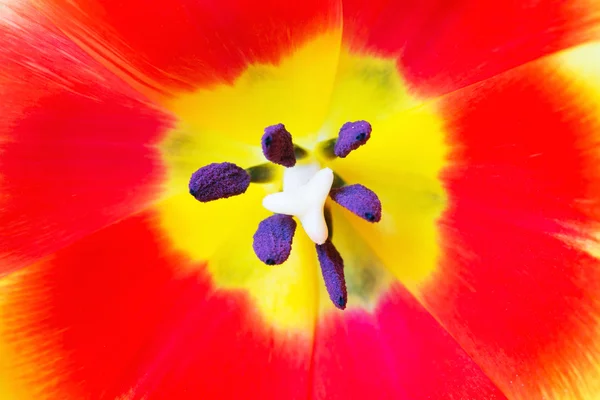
x=165, y=46
x=131, y=323
x=75, y=142
x=444, y=45
x=398, y=353
x=114, y=315
x=519, y=280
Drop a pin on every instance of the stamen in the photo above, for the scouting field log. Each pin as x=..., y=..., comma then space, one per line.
x=326, y=148
x=359, y=200
x=300, y=153
x=218, y=181
x=277, y=146
x=328, y=221
x=304, y=200
x=332, y=267
x=338, y=181
x=352, y=135
x=262, y=173
x=273, y=239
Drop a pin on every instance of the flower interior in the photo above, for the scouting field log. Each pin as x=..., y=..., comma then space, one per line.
x=304, y=192
x=318, y=193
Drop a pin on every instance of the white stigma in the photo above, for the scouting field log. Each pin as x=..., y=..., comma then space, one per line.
x=305, y=189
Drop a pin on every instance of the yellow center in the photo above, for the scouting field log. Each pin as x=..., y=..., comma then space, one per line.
x=313, y=92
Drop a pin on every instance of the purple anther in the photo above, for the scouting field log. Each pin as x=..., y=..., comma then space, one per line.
x=277, y=146
x=332, y=267
x=352, y=135
x=218, y=181
x=273, y=239
x=359, y=200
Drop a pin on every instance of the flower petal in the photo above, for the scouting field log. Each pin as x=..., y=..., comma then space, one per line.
x=163, y=48
x=444, y=45
x=120, y=314
x=401, y=163
x=221, y=234
x=296, y=92
x=397, y=352
x=519, y=275
x=385, y=345
x=515, y=280
x=75, y=142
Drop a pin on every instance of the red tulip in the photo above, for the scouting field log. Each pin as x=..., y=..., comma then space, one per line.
x=480, y=281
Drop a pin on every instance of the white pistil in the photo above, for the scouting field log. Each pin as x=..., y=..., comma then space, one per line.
x=305, y=190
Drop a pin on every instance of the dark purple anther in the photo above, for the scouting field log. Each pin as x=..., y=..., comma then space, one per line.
x=273, y=239
x=218, y=181
x=332, y=267
x=352, y=135
x=277, y=146
x=359, y=200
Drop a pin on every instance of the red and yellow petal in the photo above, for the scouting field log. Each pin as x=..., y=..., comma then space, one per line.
x=297, y=91
x=443, y=45
x=401, y=163
x=121, y=314
x=504, y=252
x=166, y=48
x=77, y=145
x=518, y=279
x=396, y=352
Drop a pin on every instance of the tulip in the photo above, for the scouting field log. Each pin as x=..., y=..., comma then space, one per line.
x=324, y=199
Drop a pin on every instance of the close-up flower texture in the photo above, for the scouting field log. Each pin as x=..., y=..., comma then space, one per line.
x=322, y=199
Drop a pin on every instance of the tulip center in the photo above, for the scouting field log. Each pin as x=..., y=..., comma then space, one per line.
x=314, y=91
x=305, y=190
